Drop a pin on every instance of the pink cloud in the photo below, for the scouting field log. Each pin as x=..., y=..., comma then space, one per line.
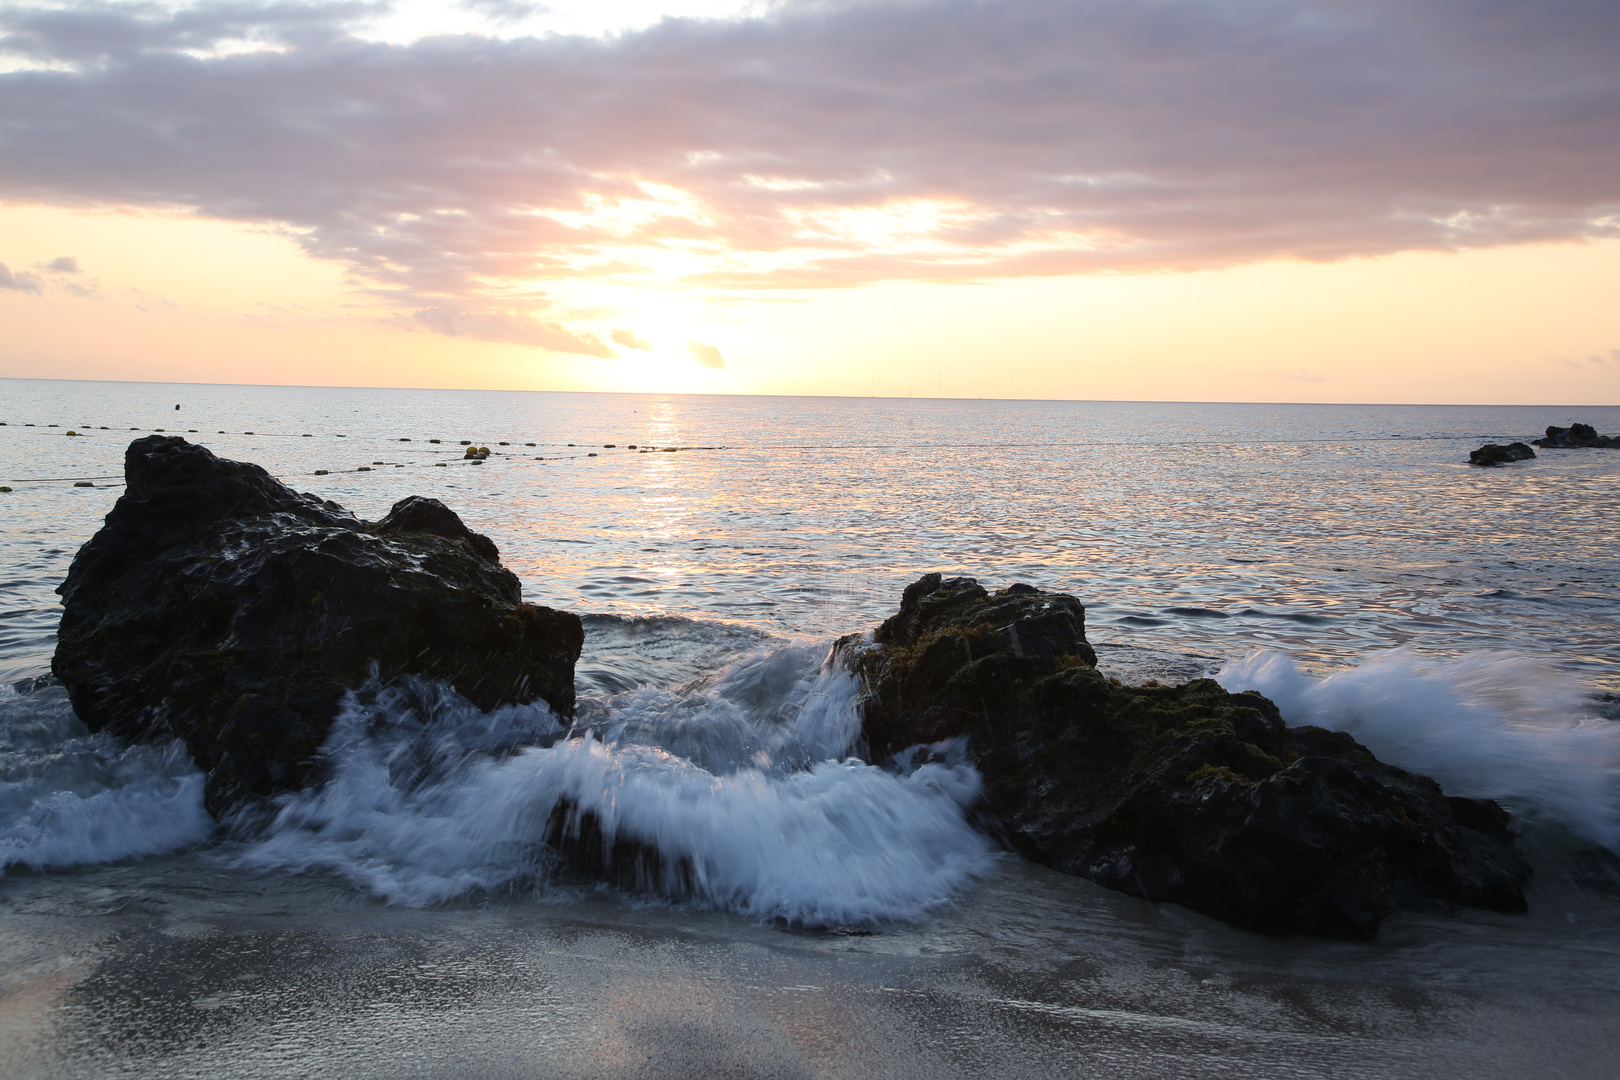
x=835, y=146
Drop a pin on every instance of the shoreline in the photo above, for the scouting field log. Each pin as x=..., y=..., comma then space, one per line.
x=1028, y=974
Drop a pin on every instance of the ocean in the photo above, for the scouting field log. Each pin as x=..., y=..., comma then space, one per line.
x=850, y=920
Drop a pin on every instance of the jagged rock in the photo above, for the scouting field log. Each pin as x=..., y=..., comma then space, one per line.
x=1187, y=793
x=1576, y=436
x=1496, y=454
x=221, y=607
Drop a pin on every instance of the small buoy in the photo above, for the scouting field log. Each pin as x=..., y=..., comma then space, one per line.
x=177, y=408
x=477, y=461
x=379, y=462
x=103, y=427
x=570, y=444
x=364, y=468
x=435, y=440
x=440, y=465
x=53, y=425
x=398, y=466
x=466, y=442
x=137, y=429
x=4, y=490
x=191, y=431
x=528, y=444
x=83, y=483
x=75, y=434
x=590, y=455
x=404, y=440
x=609, y=446
x=539, y=459
x=132, y=429
x=247, y=432
x=340, y=436
x=322, y=472
x=630, y=446
x=154, y=429
x=305, y=435
x=506, y=444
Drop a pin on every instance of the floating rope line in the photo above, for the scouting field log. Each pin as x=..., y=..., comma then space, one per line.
x=62, y=479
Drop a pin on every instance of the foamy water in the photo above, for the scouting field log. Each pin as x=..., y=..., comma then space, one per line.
x=68, y=798
x=1485, y=725
x=1340, y=560
x=757, y=807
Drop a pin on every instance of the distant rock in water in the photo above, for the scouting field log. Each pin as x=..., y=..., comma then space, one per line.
x=219, y=606
x=1188, y=793
x=1496, y=454
x=1575, y=437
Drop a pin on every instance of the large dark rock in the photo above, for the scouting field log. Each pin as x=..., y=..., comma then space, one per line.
x=1576, y=436
x=1496, y=454
x=1187, y=793
x=221, y=607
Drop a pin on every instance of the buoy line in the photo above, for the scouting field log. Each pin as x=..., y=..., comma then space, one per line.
x=61, y=479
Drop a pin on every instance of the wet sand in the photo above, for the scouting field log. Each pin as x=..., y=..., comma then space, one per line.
x=181, y=967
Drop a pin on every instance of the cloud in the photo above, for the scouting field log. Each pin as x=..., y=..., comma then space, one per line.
x=829, y=145
x=21, y=281
x=630, y=340
x=510, y=327
x=64, y=264
x=707, y=355
x=505, y=11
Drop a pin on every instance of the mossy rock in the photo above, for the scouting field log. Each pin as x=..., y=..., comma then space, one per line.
x=1184, y=793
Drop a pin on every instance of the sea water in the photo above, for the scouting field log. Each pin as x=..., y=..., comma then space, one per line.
x=1344, y=560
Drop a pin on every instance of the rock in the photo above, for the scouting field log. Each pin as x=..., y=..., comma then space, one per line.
x=1188, y=793
x=1576, y=436
x=221, y=607
x=1496, y=454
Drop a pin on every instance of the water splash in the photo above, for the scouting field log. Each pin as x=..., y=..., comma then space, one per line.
x=740, y=779
x=69, y=798
x=1485, y=725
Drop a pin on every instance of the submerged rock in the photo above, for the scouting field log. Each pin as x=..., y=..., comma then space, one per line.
x=1496, y=454
x=219, y=606
x=1185, y=793
x=1576, y=436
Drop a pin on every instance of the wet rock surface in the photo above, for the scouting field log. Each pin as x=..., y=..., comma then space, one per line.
x=1575, y=437
x=1497, y=454
x=221, y=607
x=1184, y=793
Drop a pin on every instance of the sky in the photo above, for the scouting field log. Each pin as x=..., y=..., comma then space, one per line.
x=1248, y=200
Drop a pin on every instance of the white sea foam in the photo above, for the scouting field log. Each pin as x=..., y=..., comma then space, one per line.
x=739, y=780
x=93, y=799
x=1485, y=725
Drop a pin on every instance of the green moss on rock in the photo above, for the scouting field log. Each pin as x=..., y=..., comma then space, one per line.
x=1184, y=793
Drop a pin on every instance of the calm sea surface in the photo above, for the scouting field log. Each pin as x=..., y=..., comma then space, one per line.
x=1327, y=530
x=412, y=923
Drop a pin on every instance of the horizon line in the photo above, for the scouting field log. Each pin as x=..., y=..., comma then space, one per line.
x=830, y=397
